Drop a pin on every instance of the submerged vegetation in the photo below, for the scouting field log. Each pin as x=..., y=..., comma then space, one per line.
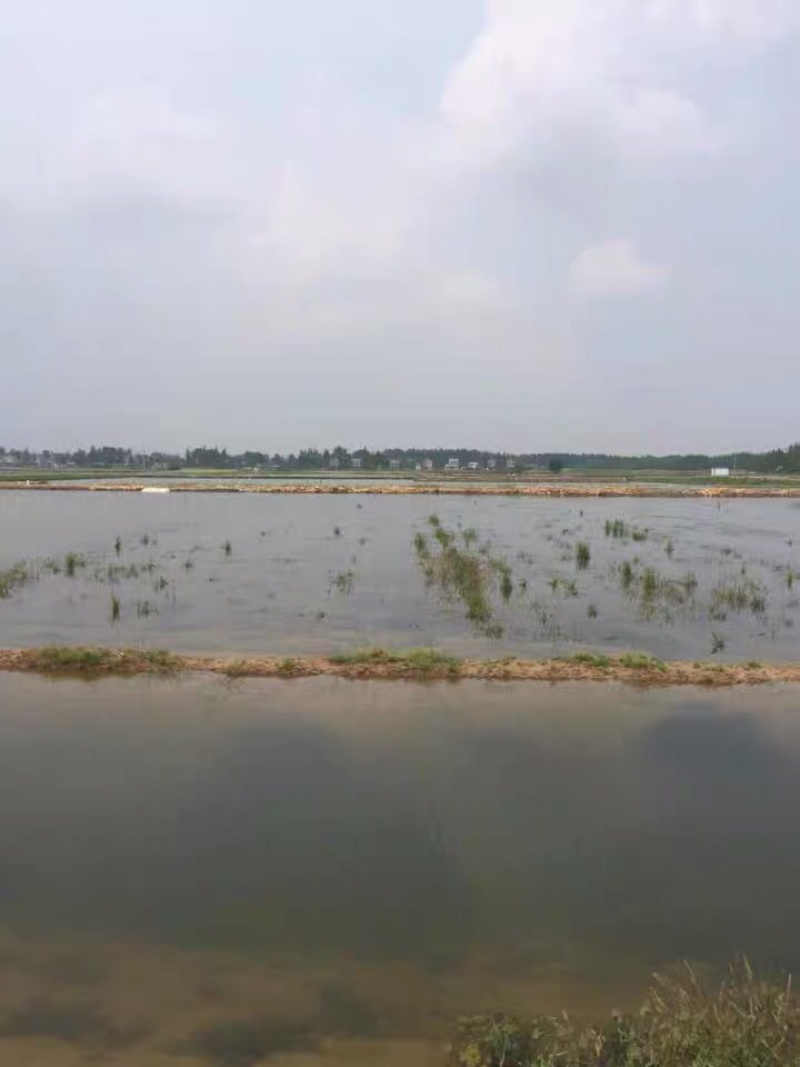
x=13, y=578
x=464, y=574
x=745, y=1023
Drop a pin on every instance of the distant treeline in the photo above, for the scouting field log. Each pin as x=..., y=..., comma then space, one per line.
x=779, y=460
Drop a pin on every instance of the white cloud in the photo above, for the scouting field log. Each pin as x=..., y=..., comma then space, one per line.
x=614, y=268
x=541, y=76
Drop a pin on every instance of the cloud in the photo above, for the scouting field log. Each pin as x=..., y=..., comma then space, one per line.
x=614, y=268
x=541, y=77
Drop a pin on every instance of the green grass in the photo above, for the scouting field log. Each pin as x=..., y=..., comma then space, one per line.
x=589, y=659
x=745, y=1023
x=583, y=555
x=13, y=578
x=343, y=581
x=422, y=661
x=287, y=667
x=641, y=661
x=115, y=608
x=738, y=595
x=73, y=561
x=57, y=659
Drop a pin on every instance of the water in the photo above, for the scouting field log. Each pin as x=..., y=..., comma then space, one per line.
x=195, y=873
x=277, y=592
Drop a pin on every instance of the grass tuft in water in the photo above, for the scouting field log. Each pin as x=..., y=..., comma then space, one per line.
x=115, y=608
x=14, y=578
x=227, y=548
x=343, y=581
x=73, y=561
x=118, y=545
x=717, y=643
x=583, y=555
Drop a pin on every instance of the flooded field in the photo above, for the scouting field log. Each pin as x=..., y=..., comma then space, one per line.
x=322, y=872
x=486, y=577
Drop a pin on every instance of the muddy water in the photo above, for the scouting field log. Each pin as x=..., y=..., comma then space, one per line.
x=317, y=574
x=322, y=872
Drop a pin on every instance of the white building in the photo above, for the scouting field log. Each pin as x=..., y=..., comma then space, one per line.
x=491, y=465
x=452, y=464
x=357, y=463
x=510, y=464
x=394, y=464
x=428, y=465
x=474, y=466
x=720, y=472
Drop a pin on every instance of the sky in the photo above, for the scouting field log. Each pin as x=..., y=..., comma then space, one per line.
x=504, y=224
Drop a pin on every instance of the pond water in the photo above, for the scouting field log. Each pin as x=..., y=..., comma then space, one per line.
x=321, y=872
x=325, y=573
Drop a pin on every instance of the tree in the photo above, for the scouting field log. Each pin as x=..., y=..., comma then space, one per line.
x=556, y=465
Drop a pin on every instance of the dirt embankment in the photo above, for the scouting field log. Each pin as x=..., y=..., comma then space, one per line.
x=421, y=489
x=635, y=670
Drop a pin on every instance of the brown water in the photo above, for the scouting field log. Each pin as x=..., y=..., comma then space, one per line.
x=281, y=590
x=322, y=872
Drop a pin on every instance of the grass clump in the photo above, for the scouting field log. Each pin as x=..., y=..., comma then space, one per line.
x=287, y=668
x=118, y=545
x=641, y=661
x=626, y=575
x=417, y=661
x=13, y=578
x=343, y=581
x=73, y=561
x=589, y=659
x=227, y=549
x=739, y=595
x=464, y=574
x=746, y=1023
x=717, y=643
x=591, y=611
x=616, y=528
x=583, y=555
x=115, y=608
x=91, y=662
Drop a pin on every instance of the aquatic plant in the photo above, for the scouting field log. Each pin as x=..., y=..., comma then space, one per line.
x=227, y=548
x=583, y=555
x=343, y=581
x=118, y=545
x=13, y=578
x=72, y=562
x=717, y=643
x=115, y=608
x=591, y=611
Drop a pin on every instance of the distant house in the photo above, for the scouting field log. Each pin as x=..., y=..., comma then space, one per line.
x=474, y=466
x=334, y=464
x=452, y=464
x=720, y=472
x=491, y=465
x=511, y=464
x=428, y=465
x=357, y=463
x=394, y=464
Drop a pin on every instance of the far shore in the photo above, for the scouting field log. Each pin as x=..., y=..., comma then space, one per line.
x=513, y=489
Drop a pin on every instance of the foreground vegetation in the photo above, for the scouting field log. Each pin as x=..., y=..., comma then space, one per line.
x=746, y=1023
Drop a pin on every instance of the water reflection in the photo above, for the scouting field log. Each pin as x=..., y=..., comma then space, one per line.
x=191, y=872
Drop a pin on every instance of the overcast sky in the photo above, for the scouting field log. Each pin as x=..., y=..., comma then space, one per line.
x=513, y=224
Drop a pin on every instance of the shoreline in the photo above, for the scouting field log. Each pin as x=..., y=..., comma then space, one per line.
x=419, y=665
x=572, y=490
